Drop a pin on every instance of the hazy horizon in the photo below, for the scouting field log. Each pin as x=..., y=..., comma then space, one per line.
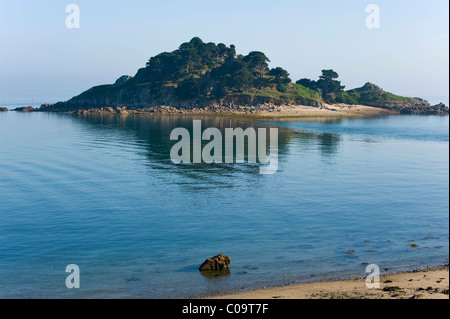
x=41, y=58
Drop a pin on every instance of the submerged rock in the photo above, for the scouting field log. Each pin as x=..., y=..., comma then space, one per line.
x=219, y=262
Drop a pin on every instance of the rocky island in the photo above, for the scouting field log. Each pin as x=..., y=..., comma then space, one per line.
x=205, y=77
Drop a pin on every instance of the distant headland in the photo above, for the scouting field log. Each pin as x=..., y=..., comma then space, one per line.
x=205, y=76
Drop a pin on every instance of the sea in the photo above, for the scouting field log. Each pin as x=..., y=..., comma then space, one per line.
x=102, y=193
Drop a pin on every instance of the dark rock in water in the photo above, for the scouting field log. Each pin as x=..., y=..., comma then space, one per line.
x=25, y=109
x=219, y=262
x=3, y=109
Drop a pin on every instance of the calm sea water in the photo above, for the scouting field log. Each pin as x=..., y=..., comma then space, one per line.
x=102, y=193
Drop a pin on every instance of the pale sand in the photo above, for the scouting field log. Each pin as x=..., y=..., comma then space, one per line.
x=301, y=111
x=423, y=284
x=338, y=110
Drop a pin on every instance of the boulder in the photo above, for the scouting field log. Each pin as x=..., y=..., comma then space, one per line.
x=3, y=109
x=219, y=262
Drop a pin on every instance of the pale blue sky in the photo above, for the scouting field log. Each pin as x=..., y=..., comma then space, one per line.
x=40, y=58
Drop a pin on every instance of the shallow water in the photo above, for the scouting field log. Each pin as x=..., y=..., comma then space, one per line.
x=101, y=192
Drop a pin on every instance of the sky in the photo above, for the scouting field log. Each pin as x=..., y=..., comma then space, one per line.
x=42, y=60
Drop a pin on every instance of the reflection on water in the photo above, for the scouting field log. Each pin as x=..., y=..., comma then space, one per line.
x=153, y=134
x=213, y=274
x=155, y=131
x=328, y=143
x=101, y=192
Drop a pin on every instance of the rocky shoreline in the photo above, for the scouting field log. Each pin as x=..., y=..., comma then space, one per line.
x=165, y=110
x=264, y=110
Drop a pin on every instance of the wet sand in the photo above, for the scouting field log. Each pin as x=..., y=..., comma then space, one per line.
x=432, y=283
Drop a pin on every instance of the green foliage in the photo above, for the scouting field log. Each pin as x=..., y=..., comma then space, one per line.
x=306, y=92
x=328, y=75
x=207, y=71
x=347, y=98
x=257, y=62
x=281, y=76
x=282, y=87
x=370, y=94
x=294, y=93
x=312, y=85
x=233, y=75
x=191, y=88
x=219, y=71
x=327, y=85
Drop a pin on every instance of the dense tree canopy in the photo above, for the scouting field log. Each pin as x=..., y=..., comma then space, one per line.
x=199, y=69
x=327, y=85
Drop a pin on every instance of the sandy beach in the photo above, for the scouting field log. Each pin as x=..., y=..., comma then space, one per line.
x=327, y=110
x=432, y=283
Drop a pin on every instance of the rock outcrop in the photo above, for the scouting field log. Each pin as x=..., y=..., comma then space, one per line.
x=3, y=109
x=219, y=262
x=122, y=79
x=438, y=109
x=25, y=109
x=372, y=95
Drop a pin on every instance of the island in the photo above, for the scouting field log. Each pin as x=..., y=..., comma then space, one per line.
x=213, y=78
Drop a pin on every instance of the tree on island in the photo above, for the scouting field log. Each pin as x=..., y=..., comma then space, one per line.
x=281, y=75
x=327, y=85
x=281, y=79
x=258, y=62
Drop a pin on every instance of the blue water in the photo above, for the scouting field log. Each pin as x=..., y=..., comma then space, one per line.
x=102, y=193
